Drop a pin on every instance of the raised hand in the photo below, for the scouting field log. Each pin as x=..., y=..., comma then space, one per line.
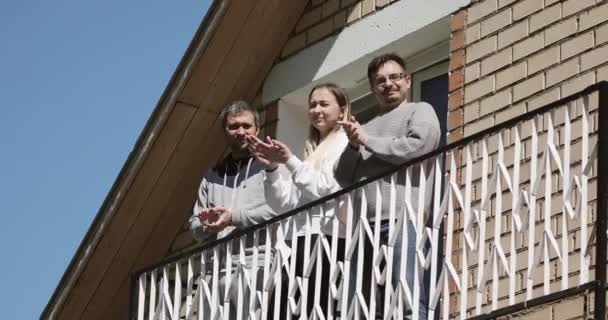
x=270, y=150
x=281, y=151
x=256, y=147
x=354, y=131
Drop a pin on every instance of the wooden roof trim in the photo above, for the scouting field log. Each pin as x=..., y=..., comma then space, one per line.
x=136, y=157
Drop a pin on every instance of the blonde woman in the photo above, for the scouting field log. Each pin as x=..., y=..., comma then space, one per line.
x=310, y=179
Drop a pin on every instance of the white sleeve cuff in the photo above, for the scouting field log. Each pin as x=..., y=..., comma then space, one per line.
x=293, y=163
x=272, y=176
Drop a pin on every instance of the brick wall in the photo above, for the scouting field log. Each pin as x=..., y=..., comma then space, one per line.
x=509, y=57
x=323, y=18
x=512, y=56
x=568, y=309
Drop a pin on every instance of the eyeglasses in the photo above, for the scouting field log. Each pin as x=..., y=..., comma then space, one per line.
x=393, y=77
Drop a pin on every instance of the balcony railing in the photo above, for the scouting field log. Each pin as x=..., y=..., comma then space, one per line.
x=514, y=220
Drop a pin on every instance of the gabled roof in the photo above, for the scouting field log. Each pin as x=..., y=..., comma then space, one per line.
x=228, y=58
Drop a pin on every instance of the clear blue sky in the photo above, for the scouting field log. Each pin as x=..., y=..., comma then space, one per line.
x=78, y=80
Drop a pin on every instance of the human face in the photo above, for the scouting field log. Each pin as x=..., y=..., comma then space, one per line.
x=324, y=111
x=391, y=85
x=238, y=126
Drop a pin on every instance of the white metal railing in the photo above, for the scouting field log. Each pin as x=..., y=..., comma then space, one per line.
x=511, y=219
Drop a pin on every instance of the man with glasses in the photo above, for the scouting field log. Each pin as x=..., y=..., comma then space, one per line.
x=401, y=131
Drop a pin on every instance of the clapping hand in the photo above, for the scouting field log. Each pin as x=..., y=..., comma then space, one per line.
x=216, y=218
x=355, y=133
x=269, y=152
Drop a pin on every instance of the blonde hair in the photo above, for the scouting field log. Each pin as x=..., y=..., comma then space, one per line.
x=314, y=136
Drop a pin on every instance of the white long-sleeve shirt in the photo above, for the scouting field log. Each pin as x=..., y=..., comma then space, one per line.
x=303, y=183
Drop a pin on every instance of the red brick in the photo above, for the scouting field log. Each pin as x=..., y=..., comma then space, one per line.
x=457, y=40
x=456, y=79
x=455, y=99
x=458, y=20
x=455, y=135
x=455, y=119
x=457, y=59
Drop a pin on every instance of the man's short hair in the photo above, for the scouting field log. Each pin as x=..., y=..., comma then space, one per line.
x=378, y=62
x=236, y=107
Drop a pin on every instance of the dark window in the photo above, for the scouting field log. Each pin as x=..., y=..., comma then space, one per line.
x=435, y=92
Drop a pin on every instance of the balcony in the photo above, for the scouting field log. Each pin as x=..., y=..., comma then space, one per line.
x=512, y=224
